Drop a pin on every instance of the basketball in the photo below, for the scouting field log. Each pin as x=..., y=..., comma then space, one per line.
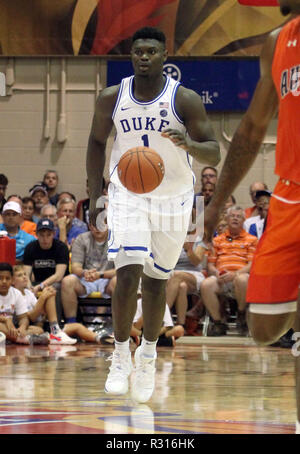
x=141, y=170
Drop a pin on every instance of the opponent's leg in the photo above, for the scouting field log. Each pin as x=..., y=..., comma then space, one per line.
x=297, y=367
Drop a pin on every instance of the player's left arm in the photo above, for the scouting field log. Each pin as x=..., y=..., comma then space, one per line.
x=200, y=142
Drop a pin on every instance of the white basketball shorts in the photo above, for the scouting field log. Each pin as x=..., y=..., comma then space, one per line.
x=146, y=231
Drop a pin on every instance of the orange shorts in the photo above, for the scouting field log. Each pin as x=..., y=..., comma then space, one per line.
x=275, y=272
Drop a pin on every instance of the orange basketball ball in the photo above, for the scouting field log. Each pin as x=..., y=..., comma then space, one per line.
x=141, y=170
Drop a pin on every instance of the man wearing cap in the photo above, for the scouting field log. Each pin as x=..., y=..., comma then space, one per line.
x=255, y=225
x=12, y=219
x=47, y=258
x=39, y=193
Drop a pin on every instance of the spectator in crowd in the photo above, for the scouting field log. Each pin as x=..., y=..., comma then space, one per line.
x=186, y=278
x=38, y=310
x=91, y=271
x=51, y=181
x=168, y=333
x=28, y=206
x=222, y=226
x=13, y=306
x=207, y=192
x=209, y=175
x=39, y=193
x=12, y=218
x=228, y=267
x=254, y=187
x=26, y=225
x=255, y=225
x=49, y=211
x=69, y=227
x=3, y=187
x=66, y=195
x=47, y=258
x=46, y=261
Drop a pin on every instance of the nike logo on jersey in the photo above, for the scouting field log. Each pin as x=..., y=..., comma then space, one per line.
x=143, y=124
x=125, y=108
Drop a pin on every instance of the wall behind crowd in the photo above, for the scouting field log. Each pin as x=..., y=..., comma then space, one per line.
x=42, y=129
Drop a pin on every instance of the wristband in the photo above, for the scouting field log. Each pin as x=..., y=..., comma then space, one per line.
x=101, y=276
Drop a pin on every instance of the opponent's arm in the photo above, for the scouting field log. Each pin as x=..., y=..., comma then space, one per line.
x=95, y=159
x=200, y=142
x=247, y=139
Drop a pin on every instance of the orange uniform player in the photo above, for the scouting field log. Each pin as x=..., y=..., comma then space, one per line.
x=273, y=287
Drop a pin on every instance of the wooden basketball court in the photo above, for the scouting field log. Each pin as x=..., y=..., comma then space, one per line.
x=203, y=386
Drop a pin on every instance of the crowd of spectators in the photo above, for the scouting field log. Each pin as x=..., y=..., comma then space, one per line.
x=58, y=249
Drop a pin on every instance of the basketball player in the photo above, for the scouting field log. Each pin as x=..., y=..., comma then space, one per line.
x=153, y=110
x=275, y=275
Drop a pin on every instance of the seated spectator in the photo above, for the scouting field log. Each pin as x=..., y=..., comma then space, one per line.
x=49, y=211
x=91, y=271
x=12, y=219
x=254, y=187
x=39, y=193
x=185, y=279
x=228, y=267
x=51, y=181
x=46, y=261
x=3, y=187
x=255, y=225
x=47, y=258
x=207, y=191
x=66, y=195
x=69, y=227
x=12, y=307
x=26, y=225
x=168, y=333
x=208, y=175
x=38, y=310
x=222, y=226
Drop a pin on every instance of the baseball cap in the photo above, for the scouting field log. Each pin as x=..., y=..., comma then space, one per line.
x=39, y=187
x=263, y=192
x=45, y=224
x=13, y=206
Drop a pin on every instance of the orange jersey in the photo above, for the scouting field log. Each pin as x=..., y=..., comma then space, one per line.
x=231, y=254
x=286, y=77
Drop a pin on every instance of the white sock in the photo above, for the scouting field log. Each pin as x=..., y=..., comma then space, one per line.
x=297, y=427
x=122, y=347
x=148, y=348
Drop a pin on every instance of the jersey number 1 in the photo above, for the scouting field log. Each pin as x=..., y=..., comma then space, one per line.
x=145, y=140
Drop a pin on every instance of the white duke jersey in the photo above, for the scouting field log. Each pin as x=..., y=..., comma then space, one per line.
x=141, y=124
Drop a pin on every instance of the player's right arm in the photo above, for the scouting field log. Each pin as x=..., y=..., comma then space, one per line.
x=247, y=139
x=95, y=159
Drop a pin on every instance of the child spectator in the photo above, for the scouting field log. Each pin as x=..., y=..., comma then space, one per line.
x=13, y=304
x=168, y=332
x=37, y=309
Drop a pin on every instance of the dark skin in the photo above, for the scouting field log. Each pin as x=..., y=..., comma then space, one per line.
x=265, y=329
x=148, y=57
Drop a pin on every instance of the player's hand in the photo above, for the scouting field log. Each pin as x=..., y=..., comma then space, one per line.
x=178, y=138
